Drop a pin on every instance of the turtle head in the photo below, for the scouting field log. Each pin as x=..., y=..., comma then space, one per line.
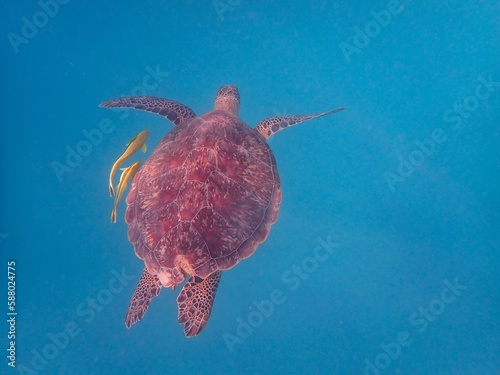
x=228, y=99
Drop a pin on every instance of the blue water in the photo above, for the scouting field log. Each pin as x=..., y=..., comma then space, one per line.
x=402, y=187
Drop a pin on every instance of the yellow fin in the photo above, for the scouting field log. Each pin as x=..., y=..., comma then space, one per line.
x=143, y=147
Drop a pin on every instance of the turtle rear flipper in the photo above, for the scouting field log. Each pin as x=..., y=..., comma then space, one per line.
x=148, y=288
x=195, y=302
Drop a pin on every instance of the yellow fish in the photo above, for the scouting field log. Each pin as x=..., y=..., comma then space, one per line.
x=127, y=175
x=136, y=143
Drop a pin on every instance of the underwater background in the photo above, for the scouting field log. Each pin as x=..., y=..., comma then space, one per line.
x=385, y=256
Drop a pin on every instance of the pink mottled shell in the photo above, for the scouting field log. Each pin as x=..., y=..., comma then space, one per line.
x=204, y=200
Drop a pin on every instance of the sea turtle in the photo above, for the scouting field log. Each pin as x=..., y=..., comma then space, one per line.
x=203, y=201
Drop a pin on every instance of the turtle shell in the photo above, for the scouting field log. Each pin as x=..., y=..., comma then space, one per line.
x=204, y=200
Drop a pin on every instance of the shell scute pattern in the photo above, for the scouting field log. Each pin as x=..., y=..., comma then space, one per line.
x=192, y=197
x=201, y=201
x=200, y=163
x=239, y=206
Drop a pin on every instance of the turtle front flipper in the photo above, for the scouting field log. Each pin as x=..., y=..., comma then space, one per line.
x=148, y=288
x=172, y=110
x=195, y=302
x=272, y=125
